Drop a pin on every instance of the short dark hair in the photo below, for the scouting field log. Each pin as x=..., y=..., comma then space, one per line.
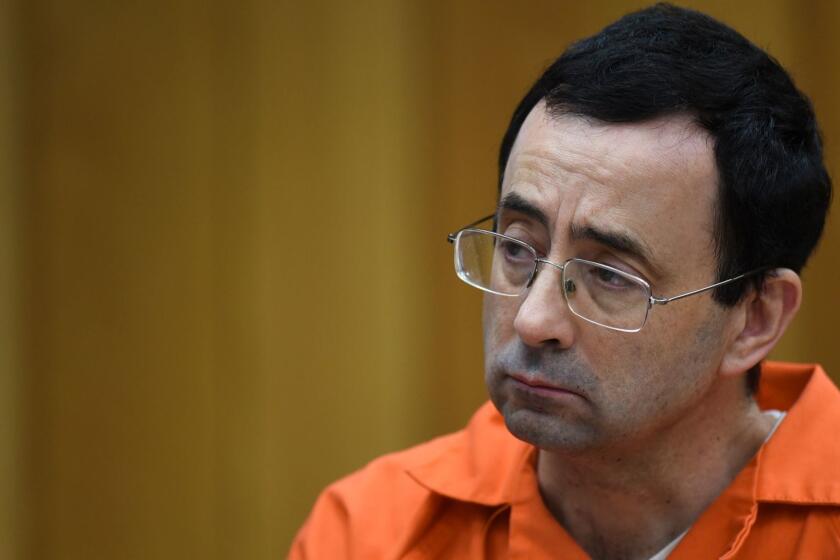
x=774, y=190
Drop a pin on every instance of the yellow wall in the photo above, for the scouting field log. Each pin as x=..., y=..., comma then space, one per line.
x=11, y=445
x=223, y=231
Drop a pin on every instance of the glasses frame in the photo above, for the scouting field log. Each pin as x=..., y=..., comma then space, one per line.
x=652, y=300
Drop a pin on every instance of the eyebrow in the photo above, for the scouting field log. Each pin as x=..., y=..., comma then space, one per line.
x=513, y=201
x=618, y=241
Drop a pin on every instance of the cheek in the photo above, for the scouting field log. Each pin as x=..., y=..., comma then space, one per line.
x=621, y=364
x=640, y=381
x=497, y=318
x=673, y=362
x=686, y=324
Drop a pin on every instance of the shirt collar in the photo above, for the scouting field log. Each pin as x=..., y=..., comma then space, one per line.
x=798, y=465
x=480, y=464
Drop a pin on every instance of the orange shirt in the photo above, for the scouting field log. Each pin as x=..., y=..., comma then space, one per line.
x=473, y=494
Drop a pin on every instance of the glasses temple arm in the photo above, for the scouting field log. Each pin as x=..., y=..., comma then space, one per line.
x=664, y=301
x=451, y=237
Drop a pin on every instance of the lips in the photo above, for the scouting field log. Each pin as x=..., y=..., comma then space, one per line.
x=540, y=386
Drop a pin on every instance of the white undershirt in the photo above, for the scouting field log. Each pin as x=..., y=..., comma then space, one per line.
x=777, y=416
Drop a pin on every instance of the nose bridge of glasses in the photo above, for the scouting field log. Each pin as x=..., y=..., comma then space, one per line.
x=537, y=262
x=559, y=267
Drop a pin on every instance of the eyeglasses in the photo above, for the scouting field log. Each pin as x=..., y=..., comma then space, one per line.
x=595, y=292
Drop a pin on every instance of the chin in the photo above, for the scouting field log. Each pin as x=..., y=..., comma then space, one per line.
x=545, y=429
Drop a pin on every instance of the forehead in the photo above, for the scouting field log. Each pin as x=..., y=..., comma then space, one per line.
x=655, y=181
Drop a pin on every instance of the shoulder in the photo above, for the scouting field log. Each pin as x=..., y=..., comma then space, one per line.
x=371, y=510
x=467, y=457
x=387, y=481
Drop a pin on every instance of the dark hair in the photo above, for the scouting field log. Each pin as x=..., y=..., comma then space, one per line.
x=774, y=191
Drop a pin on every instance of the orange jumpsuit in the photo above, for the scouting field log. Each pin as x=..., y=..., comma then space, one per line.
x=473, y=494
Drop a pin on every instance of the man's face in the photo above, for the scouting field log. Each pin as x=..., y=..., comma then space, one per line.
x=639, y=197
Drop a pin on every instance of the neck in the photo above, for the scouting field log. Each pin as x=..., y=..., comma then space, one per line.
x=631, y=502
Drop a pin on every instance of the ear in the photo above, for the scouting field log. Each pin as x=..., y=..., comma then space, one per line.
x=761, y=320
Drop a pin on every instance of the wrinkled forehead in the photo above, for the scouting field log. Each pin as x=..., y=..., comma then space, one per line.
x=663, y=150
x=656, y=180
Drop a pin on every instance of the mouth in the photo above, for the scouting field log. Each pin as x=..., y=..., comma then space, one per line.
x=535, y=385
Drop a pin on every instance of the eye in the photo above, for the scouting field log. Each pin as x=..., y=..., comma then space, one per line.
x=515, y=252
x=611, y=279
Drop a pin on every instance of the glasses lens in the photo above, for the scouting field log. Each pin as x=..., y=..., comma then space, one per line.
x=493, y=263
x=605, y=296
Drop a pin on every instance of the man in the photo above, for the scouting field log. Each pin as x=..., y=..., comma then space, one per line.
x=661, y=187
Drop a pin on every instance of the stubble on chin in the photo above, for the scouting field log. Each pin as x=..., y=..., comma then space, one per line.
x=542, y=422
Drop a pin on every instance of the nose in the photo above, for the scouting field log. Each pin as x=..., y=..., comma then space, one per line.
x=543, y=318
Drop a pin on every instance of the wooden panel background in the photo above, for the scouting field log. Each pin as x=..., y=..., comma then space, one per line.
x=224, y=275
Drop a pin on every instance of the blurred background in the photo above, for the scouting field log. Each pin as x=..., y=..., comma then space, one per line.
x=224, y=280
